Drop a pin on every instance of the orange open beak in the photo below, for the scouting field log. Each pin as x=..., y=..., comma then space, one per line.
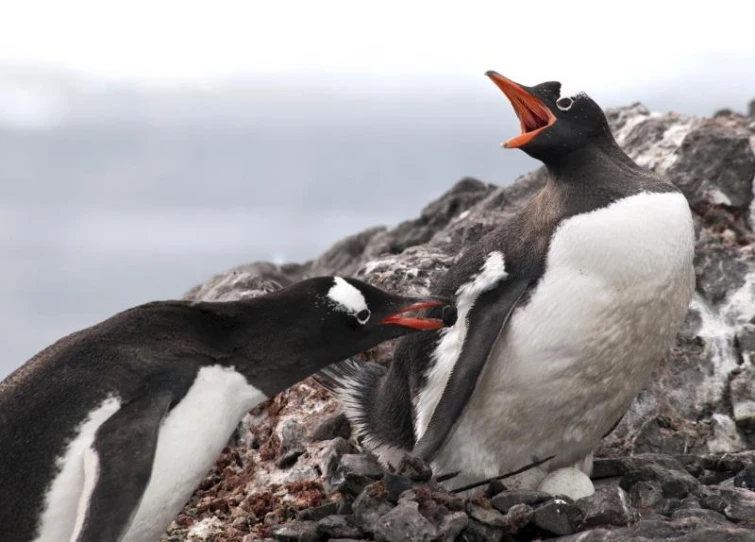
x=415, y=322
x=534, y=115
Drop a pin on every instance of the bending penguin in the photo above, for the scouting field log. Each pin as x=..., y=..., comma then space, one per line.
x=563, y=312
x=105, y=434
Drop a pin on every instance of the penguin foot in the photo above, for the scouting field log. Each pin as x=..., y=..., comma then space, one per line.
x=415, y=468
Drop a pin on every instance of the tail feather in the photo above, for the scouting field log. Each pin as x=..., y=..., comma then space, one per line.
x=356, y=385
x=351, y=382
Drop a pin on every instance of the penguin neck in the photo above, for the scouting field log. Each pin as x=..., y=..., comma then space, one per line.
x=264, y=348
x=599, y=161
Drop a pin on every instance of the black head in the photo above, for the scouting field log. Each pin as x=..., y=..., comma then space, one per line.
x=553, y=125
x=336, y=317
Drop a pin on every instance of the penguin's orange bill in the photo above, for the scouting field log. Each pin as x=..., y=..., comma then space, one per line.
x=534, y=115
x=415, y=322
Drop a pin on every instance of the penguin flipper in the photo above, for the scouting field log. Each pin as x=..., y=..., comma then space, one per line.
x=118, y=468
x=486, y=323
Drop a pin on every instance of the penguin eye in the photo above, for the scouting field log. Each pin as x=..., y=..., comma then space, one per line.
x=363, y=316
x=564, y=104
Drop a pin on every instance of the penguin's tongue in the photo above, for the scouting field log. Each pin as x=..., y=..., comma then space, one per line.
x=534, y=116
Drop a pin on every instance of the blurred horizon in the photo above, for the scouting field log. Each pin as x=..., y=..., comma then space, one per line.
x=145, y=147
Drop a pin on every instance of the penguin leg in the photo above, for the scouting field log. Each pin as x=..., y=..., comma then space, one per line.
x=118, y=467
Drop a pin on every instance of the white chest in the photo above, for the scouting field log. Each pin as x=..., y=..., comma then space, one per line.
x=190, y=441
x=617, y=285
x=59, y=519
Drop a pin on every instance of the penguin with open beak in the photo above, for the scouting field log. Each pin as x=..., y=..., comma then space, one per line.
x=563, y=312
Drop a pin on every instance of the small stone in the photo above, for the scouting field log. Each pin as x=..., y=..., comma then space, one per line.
x=518, y=517
x=667, y=506
x=351, y=484
x=657, y=529
x=714, y=159
x=415, y=469
x=449, y=500
x=609, y=467
x=241, y=523
x=494, y=488
x=361, y=464
x=558, y=517
x=328, y=460
x=370, y=506
x=693, y=464
x=318, y=512
x=479, y=532
x=718, y=534
x=608, y=506
x=297, y=531
x=405, y=524
x=451, y=526
x=504, y=501
x=337, y=526
x=645, y=495
x=673, y=483
x=708, y=516
x=395, y=485
x=726, y=436
x=289, y=459
x=408, y=495
x=745, y=479
x=690, y=502
x=746, y=340
x=291, y=434
x=730, y=462
x=345, y=508
x=736, y=504
x=334, y=426
x=598, y=535
x=354, y=473
x=654, y=437
x=487, y=516
x=742, y=388
x=570, y=482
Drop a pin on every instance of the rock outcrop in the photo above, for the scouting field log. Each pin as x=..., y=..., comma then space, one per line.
x=676, y=467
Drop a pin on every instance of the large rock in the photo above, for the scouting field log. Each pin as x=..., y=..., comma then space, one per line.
x=699, y=401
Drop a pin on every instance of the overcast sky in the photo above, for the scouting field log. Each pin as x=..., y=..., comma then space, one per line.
x=599, y=46
x=402, y=53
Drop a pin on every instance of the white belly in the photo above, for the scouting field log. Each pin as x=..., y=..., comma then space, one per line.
x=190, y=441
x=617, y=286
x=59, y=518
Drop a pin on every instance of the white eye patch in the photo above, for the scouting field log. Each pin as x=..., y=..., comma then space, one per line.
x=347, y=298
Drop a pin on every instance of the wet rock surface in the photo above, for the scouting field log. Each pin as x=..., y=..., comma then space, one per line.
x=677, y=467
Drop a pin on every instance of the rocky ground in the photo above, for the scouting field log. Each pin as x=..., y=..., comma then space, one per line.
x=676, y=468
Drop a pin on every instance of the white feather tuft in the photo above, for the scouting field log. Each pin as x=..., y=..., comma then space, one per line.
x=449, y=347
